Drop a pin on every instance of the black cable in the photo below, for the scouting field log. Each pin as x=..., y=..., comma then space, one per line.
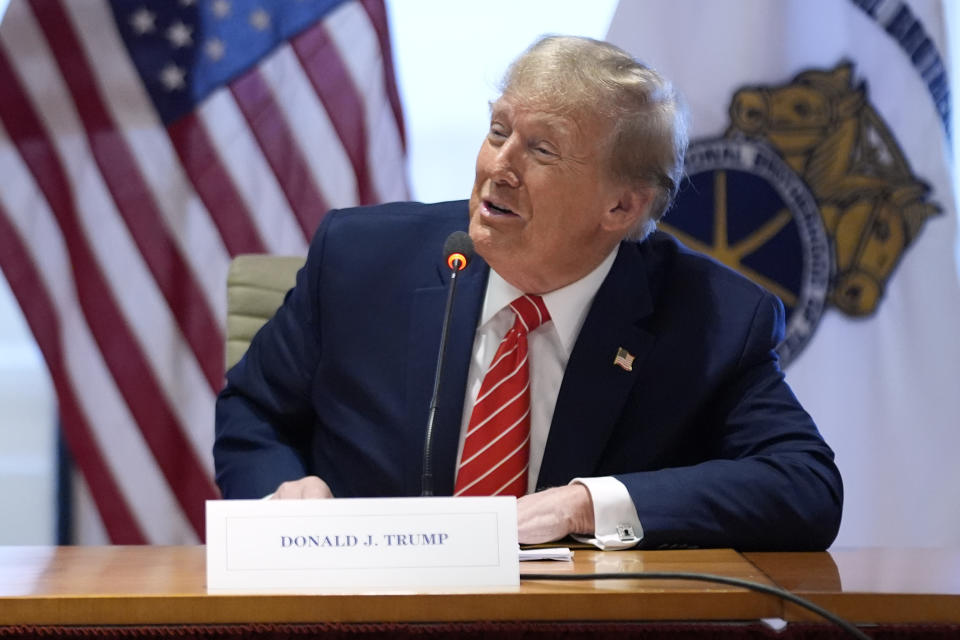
x=707, y=577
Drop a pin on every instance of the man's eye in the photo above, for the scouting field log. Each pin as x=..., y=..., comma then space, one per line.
x=544, y=151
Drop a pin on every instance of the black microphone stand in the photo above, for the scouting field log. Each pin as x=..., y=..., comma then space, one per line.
x=426, y=484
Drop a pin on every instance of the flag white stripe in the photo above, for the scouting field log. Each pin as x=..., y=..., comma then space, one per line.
x=355, y=37
x=126, y=454
x=251, y=174
x=389, y=178
x=186, y=391
x=87, y=524
x=184, y=214
x=315, y=136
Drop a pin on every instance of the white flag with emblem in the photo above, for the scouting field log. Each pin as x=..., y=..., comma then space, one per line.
x=819, y=168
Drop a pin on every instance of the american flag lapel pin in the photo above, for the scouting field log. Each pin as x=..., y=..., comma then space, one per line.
x=624, y=359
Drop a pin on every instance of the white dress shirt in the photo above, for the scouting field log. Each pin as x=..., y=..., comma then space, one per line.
x=615, y=517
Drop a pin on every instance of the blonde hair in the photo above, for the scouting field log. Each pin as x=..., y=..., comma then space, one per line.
x=582, y=77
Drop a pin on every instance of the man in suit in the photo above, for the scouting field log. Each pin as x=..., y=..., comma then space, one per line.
x=650, y=405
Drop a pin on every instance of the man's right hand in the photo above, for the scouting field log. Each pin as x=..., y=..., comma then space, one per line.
x=310, y=487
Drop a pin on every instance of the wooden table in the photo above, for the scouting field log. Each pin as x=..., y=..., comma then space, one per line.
x=166, y=586
x=870, y=585
x=163, y=585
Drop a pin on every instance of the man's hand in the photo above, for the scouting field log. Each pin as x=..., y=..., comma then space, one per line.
x=308, y=487
x=552, y=514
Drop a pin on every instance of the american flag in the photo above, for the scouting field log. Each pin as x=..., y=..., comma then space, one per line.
x=143, y=143
x=624, y=359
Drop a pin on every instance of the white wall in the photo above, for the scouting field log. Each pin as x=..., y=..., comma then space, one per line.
x=450, y=57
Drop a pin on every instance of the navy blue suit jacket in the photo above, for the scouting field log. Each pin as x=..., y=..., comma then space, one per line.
x=705, y=434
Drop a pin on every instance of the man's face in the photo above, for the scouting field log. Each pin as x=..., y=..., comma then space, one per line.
x=541, y=203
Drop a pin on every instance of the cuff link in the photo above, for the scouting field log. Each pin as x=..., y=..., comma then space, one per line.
x=625, y=533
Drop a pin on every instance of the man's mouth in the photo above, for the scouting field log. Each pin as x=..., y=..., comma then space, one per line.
x=504, y=211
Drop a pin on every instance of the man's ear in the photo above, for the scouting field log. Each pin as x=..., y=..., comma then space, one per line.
x=632, y=205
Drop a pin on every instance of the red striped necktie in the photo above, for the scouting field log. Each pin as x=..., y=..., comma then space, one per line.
x=496, y=451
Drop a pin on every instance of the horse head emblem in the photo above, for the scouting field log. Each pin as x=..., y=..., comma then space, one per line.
x=872, y=205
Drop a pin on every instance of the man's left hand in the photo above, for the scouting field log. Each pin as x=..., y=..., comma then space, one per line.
x=552, y=514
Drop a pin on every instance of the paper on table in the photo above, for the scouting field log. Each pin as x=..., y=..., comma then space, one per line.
x=550, y=553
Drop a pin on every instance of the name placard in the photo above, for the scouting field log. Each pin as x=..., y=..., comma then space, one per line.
x=360, y=544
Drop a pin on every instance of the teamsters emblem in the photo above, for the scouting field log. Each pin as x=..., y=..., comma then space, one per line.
x=808, y=194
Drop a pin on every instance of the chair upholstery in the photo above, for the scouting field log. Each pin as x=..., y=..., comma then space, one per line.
x=256, y=286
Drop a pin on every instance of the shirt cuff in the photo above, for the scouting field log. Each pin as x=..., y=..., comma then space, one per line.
x=616, y=523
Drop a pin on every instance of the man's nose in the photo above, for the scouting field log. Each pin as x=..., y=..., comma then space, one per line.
x=505, y=167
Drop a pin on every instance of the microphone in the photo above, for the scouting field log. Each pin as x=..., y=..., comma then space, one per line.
x=458, y=250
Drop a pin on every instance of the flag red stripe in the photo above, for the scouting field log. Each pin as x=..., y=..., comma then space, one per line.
x=133, y=198
x=122, y=354
x=44, y=321
x=215, y=187
x=256, y=101
x=378, y=16
x=331, y=80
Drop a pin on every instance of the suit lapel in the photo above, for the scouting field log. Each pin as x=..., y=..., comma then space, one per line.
x=427, y=322
x=594, y=388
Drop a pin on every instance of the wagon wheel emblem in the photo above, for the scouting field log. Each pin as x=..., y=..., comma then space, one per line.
x=743, y=206
x=736, y=253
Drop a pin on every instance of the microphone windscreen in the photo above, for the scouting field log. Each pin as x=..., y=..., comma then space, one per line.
x=458, y=242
